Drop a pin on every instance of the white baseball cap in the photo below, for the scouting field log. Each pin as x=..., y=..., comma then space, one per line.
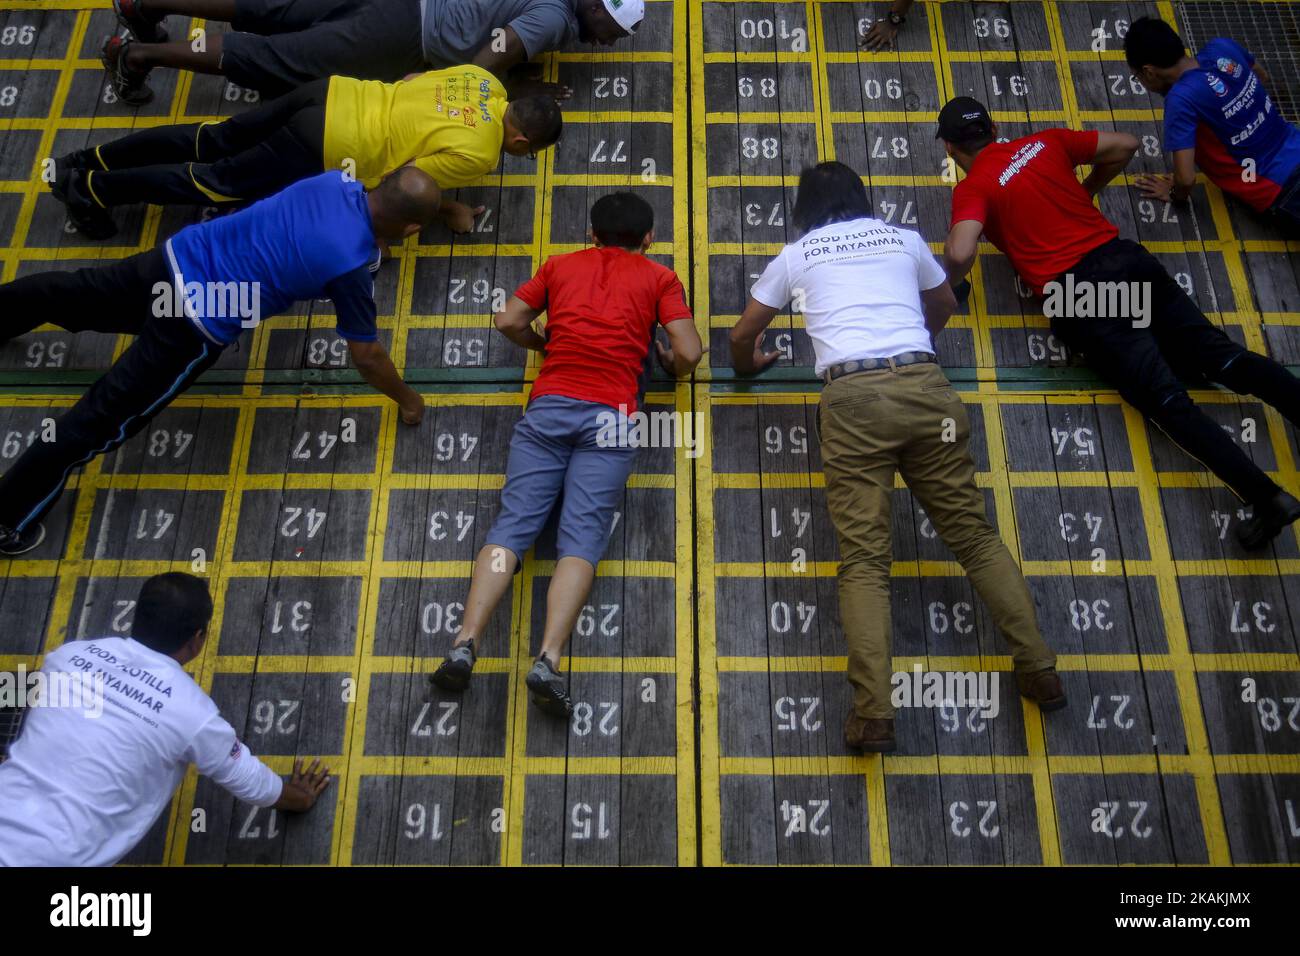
x=626, y=13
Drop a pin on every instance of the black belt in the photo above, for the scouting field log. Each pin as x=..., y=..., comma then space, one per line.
x=854, y=366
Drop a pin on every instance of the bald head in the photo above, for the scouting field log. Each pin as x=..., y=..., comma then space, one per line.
x=404, y=203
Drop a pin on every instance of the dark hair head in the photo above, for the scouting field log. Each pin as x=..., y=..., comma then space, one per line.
x=973, y=144
x=409, y=195
x=829, y=192
x=539, y=118
x=1152, y=42
x=621, y=219
x=171, y=609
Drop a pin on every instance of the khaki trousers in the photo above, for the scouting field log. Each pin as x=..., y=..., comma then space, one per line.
x=872, y=424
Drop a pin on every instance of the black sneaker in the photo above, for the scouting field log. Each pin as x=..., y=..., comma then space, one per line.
x=83, y=159
x=14, y=543
x=548, y=688
x=131, y=86
x=454, y=672
x=91, y=219
x=142, y=26
x=1268, y=521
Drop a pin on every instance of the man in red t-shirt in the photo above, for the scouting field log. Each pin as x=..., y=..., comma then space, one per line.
x=1108, y=297
x=603, y=305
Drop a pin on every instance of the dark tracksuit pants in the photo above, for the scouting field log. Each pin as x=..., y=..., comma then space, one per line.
x=166, y=357
x=246, y=157
x=1145, y=364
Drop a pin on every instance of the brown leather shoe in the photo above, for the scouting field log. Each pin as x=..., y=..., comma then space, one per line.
x=1043, y=688
x=870, y=734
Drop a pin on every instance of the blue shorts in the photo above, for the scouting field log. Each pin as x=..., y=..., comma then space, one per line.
x=556, y=449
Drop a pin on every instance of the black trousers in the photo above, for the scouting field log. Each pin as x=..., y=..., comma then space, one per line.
x=166, y=357
x=277, y=45
x=1145, y=364
x=246, y=157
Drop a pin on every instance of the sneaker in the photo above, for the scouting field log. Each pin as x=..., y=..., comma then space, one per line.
x=1268, y=521
x=548, y=688
x=1043, y=688
x=870, y=734
x=130, y=85
x=83, y=159
x=14, y=543
x=91, y=219
x=454, y=672
x=142, y=26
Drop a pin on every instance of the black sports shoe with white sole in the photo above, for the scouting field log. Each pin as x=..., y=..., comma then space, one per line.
x=70, y=188
x=548, y=688
x=1268, y=520
x=14, y=543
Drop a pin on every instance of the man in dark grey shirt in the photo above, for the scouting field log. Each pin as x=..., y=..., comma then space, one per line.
x=277, y=45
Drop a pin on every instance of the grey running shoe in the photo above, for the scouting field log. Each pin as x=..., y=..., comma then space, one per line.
x=14, y=543
x=548, y=688
x=131, y=86
x=455, y=671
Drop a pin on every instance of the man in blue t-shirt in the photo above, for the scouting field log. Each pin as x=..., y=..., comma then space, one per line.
x=1218, y=116
x=193, y=296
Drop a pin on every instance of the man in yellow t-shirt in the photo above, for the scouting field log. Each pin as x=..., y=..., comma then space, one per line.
x=453, y=124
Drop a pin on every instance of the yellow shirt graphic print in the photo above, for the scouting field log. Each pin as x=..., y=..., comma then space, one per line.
x=446, y=122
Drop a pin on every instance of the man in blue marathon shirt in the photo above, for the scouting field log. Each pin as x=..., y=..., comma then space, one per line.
x=190, y=298
x=1218, y=116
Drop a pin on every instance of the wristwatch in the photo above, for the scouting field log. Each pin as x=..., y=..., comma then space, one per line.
x=897, y=19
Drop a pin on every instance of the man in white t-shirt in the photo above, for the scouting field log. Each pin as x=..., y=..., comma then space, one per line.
x=873, y=298
x=92, y=771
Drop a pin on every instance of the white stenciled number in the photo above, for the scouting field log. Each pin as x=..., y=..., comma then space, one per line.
x=782, y=617
x=800, y=714
x=438, y=618
x=1271, y=716
x=322, y=351
x=448, y=446
x=793, y=440
x=174, y=443
x=469, y=351
x=604, y=87
x=898, y=147
x=957, y=814
x=750, y=147
x=421, y=822
x=874, y=89
x=276, y=716
x=995, y=26
x=601, y=717
x=23, y=36
x=603, y=153
x=1085, y=616
x=603, y=621
x=958, y=620
x=299, y=521
x=439, y=523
